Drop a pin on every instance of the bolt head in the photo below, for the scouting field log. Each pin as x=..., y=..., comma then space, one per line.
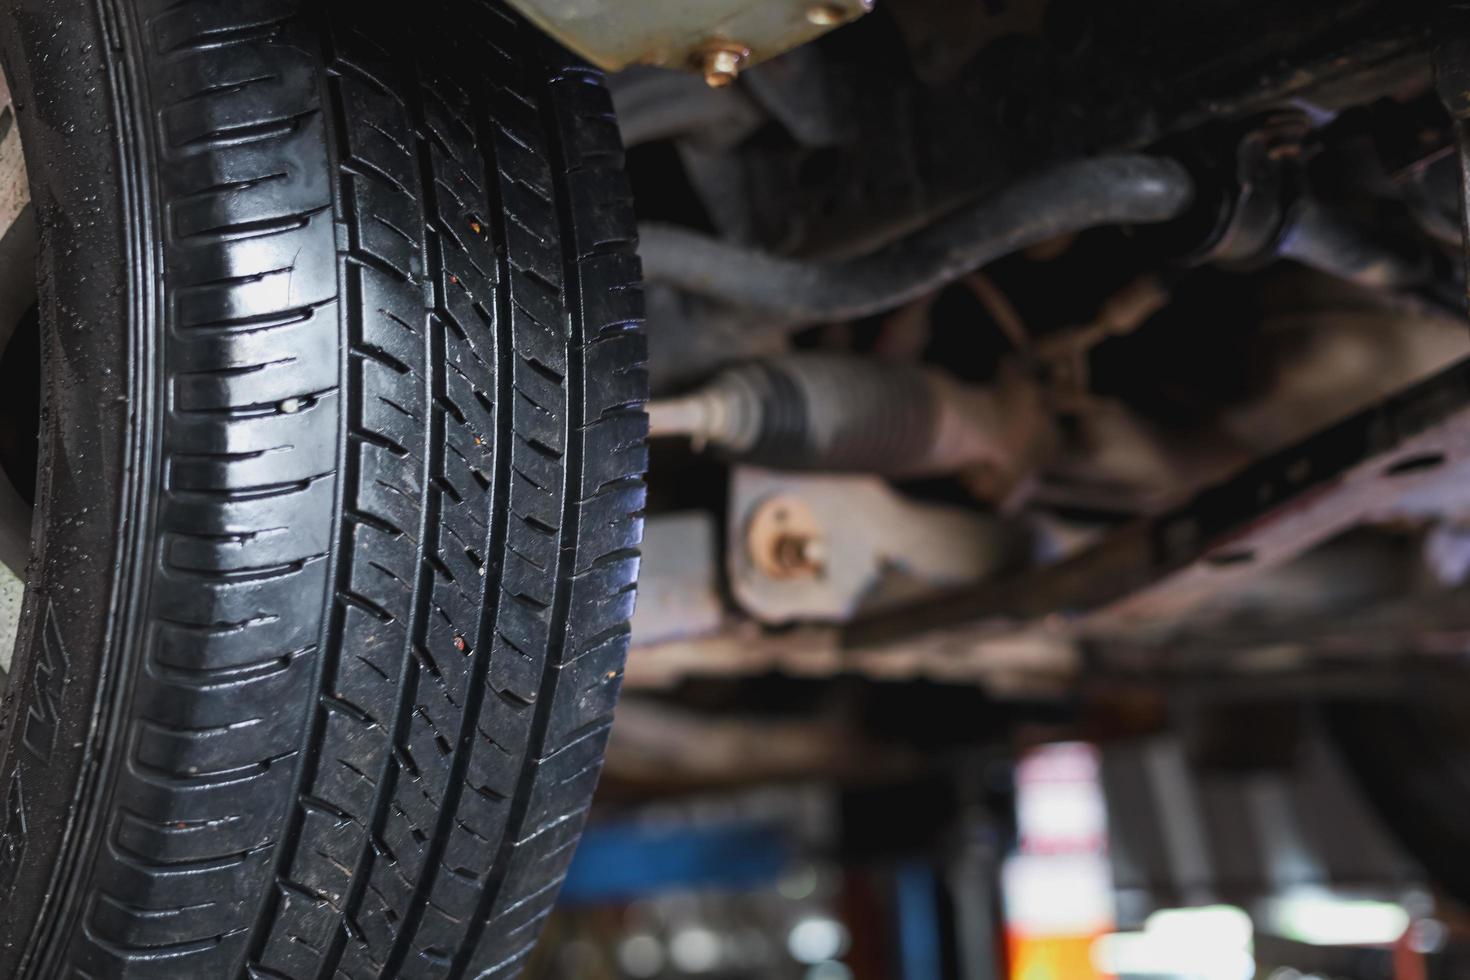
x=785, y=541
x=721, y=63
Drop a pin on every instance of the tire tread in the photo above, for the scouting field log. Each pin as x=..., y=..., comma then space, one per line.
x=401, y=500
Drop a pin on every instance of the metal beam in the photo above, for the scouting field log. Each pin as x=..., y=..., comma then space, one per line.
x=1157, y=569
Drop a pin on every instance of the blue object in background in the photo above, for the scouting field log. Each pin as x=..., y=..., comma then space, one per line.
x=920, y=951
x=622, y=862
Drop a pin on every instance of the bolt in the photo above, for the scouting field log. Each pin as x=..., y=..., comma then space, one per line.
x=814, y=553
x=785, y=541
x=721, y=63
x=825, y=14
x=797, y=556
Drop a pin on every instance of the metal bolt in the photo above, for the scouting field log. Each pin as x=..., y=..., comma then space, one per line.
x=797, y=556
x=814, y=553
x=785, y=540
x=825, y=14
x=721, y=63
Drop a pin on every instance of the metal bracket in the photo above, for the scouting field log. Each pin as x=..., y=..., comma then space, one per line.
x=824, y=547
x=1278, y=508
x=719, y=38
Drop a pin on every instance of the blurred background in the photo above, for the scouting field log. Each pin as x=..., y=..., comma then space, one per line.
x=1057, y=548
x=1234, y=847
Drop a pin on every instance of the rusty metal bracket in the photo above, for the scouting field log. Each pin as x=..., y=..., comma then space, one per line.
x=1157, y=569
x=719, y=38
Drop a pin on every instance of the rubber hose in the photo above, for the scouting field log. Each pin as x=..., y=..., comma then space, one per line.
x=1084, y=194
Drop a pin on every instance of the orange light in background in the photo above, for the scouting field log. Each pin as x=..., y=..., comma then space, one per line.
x=1058, y=887
x=1052, y=958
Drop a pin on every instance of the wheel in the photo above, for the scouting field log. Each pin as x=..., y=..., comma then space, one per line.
x=338, y=491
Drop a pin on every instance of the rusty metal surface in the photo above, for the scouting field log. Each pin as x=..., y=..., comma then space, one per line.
x=1155, y=570
x=615, y=34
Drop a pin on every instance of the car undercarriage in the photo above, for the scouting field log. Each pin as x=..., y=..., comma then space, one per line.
x=1141, y=321
x=949, y=378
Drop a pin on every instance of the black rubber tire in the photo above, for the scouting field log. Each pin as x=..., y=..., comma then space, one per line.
x=340, y=492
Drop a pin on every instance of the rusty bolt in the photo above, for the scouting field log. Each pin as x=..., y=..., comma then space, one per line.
x=721, y=62
x=785, y=539
x=799, y=554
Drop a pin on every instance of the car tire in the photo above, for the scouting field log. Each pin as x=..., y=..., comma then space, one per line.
x=339, y=489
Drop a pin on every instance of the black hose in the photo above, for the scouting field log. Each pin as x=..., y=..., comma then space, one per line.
x=1327, y=241
x=1113, y=190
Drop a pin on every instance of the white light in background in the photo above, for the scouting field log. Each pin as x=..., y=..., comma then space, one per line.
x=831, y=970
x=1058, y=889
x=1058, y=894
x=1321, y=919
x=817, y=939
x=641, y=955
x=800, y=883
x=1060, y=807
x=695, y=950
x=1211, y=943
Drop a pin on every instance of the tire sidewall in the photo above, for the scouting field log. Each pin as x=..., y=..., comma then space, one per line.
x=64, y=84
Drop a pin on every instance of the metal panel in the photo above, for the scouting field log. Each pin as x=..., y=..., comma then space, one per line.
x=718, y=37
